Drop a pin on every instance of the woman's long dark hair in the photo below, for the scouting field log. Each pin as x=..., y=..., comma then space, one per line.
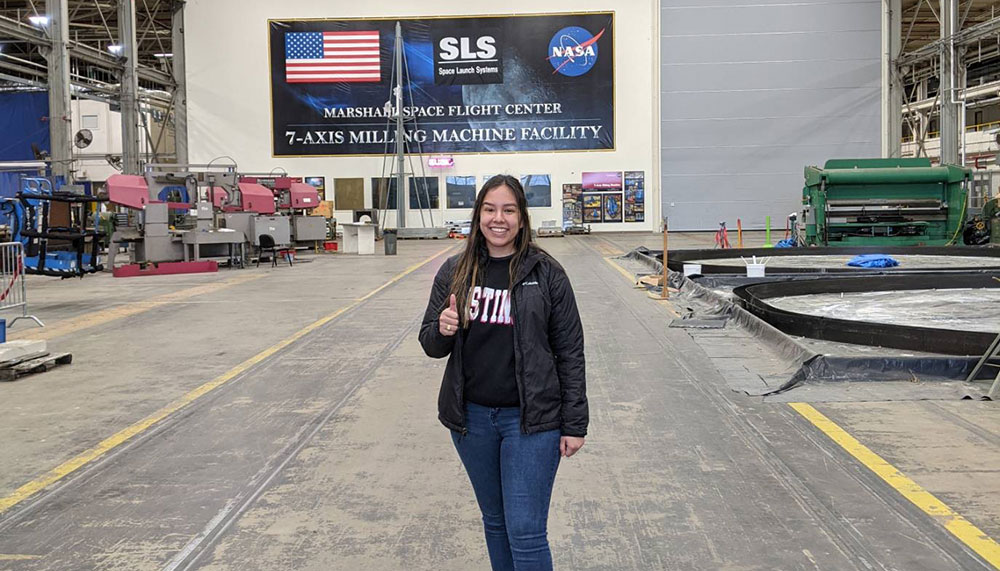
x=471, y=267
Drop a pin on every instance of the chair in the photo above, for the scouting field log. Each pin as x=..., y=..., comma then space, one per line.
x=266, y=242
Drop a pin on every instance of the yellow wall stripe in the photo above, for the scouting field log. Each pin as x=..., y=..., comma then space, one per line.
x=960, y=527
x=70, y=466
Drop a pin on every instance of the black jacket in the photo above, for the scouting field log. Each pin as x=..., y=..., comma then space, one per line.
x=548, y=349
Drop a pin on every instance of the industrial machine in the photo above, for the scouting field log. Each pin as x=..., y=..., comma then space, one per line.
x=174, y=215
x=54, y=223
x=295, y=200
x=874, y=202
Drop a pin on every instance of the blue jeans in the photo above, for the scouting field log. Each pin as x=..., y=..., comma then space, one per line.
x=512, y=474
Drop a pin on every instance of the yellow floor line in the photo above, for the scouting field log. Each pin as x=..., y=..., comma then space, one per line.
x=963, y=529
x=631, y=278
x=18, y=557
x=607, y=249
x=101, y=317
x=70, y=466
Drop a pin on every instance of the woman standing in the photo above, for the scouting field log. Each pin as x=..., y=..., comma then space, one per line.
x=514, y=389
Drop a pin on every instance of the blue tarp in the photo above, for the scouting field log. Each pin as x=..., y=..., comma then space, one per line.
x=10, y=184
x=873, y=261
x=787, y=243
x=23, y=121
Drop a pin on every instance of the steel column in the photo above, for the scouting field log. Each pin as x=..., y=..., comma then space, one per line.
x=180, y=85
x=131, y=162
x=57, y=54
x=950, y=106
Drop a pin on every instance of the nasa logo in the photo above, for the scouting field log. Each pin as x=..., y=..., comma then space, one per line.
x=573, y=51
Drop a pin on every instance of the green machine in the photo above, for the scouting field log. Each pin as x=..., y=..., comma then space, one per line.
x=884, y=202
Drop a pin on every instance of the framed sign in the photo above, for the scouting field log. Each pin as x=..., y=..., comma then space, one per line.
x=635, y=196
x=592, y=208
x=499, y=84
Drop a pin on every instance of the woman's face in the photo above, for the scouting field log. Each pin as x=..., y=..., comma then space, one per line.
x=499, y=221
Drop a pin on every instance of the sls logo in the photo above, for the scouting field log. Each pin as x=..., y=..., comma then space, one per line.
x=455, y=48
x=573, y=51
x=468, y=59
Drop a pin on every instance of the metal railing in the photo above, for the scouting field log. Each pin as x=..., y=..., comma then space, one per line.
x=13, y=293
x=968, y=129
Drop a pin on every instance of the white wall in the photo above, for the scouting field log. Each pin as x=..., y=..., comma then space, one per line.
x=229, y=107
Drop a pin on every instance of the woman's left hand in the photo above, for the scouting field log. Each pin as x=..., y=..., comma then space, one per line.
x=568, y=445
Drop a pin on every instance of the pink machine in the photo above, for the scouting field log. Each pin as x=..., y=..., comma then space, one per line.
x=134, y=191
x=159, y=240
x=295, y=200
x=154, y=248
x=252, y=197
x=291, y=195
x=301, y=196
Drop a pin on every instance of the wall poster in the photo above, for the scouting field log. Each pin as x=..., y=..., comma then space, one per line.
x=537, y=189
x=499, y=84
x=461, y=191
x=612, y=207
x=319, y=182
x=635, y=196
x=592, y=208
x=572, y=205
x=598, y=181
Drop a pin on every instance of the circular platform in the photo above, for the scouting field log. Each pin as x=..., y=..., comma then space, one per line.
x=942, y=312
x=834, y=260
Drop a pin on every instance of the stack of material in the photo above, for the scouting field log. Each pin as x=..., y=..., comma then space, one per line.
x=24, y=357
x=549, y=228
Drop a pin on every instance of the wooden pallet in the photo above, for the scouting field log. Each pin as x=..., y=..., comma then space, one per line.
x=40, y=364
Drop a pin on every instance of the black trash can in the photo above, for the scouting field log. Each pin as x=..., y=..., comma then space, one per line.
x=389, y=240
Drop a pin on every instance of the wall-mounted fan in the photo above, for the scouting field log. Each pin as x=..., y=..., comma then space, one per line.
x=83, y=138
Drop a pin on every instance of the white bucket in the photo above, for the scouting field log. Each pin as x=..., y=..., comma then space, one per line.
x=755, y=270
x=692, y=269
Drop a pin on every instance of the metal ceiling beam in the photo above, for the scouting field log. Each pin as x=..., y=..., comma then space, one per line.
x=23, y=32
x=966, y=37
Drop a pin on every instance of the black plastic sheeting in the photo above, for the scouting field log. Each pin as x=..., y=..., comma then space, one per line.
x=677, y=258
x=808, y=366
x=926, y=339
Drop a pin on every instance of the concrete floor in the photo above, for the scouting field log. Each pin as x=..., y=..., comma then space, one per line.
x=317, y=446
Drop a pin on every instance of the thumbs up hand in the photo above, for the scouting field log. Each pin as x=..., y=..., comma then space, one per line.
x=448, y=320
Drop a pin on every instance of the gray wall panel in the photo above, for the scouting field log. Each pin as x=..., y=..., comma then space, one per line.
x=669, y=5
x=752, y=92
x=781, y=18
x=771, y=75
x=738, y=161
x=787, y=131
x=816, y=46
x=756, y=103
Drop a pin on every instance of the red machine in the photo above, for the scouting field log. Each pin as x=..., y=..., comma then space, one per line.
x=251, y=197
x=294, y=200
x=300, y=196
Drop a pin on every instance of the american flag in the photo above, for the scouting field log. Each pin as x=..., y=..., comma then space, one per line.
x=318, y=57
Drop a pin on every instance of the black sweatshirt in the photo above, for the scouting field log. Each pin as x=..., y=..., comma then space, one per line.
x=488, y=351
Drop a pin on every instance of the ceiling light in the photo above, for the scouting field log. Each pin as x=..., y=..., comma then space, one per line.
x=163, y=55
x=115, y=49
x=39, y=21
